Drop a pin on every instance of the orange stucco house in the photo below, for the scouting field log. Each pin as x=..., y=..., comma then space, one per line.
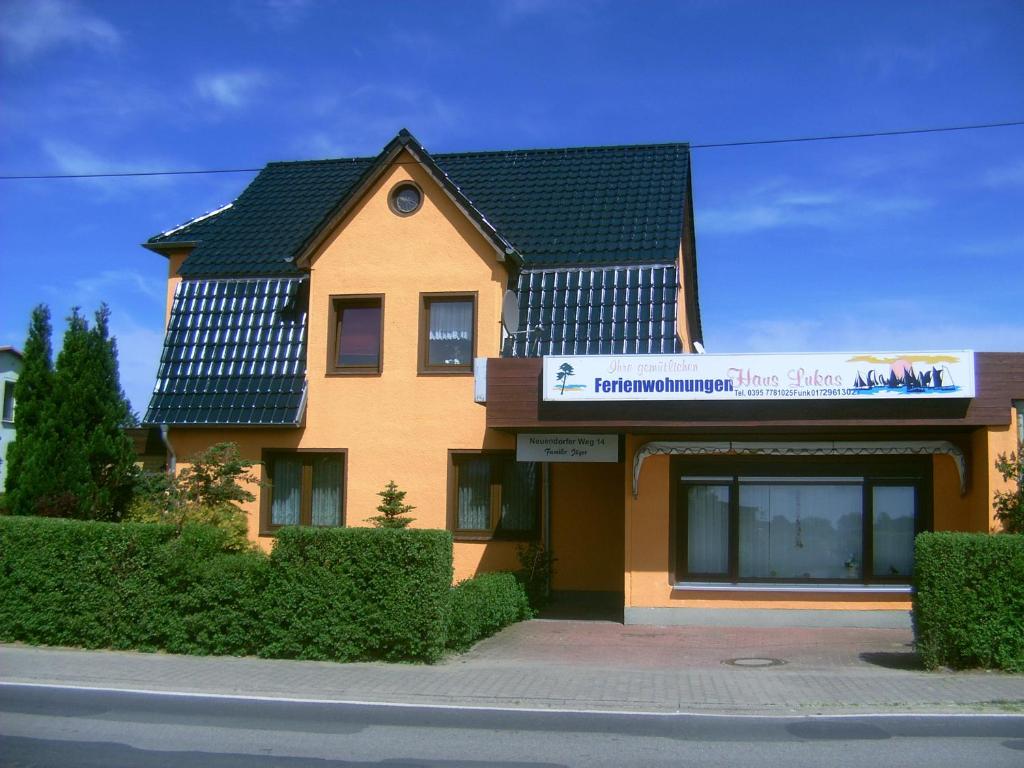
x=342, y=321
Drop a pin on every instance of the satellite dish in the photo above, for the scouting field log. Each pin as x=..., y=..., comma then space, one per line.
x=699, y=347
x=510, y=312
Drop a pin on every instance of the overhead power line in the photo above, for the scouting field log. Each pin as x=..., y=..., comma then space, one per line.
x=749, y=143
x=872, y=134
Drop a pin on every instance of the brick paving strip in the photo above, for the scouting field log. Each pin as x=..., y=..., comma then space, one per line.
x=576, y=665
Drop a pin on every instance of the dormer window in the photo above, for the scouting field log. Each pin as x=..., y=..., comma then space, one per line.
x=447, y=337
x=405, y=199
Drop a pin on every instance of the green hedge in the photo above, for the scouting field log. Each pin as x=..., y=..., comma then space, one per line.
x=353, y=593
x=343, y=594
x=482, y=605
x=969, y=600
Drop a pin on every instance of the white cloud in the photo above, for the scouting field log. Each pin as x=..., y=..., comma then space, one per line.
x=67, y=157
x=139, y=345
x=230, y=90
x=359, y=122
x=89, y=290
x=29, y=28
x=1009, y=175
x=887, y=59
x=881, y=325
x=1000, y=246
x=138, y=354
x=776, y=204
x=277, y=14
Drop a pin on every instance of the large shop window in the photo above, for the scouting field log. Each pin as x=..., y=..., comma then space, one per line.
x=495, y=496
x=792, y=528
x=446, y=336
x=356, y=342
x=303, y=488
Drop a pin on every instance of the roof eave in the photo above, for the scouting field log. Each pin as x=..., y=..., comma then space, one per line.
x=166, y=248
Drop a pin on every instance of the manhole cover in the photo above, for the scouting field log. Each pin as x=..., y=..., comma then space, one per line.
x=754, y=662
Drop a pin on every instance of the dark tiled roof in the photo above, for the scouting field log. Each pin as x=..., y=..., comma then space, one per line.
x=235, y=353
x=261, y=232
x=588, y=205
x=576, y=206
x=614, y=310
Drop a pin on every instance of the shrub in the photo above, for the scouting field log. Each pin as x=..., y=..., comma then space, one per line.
x=1009, y=504
x=969, y=600
x=64, y=582
x=343, y=594
x=207, y=492
x=482, y=605
x=536, y=567
x=358, y=593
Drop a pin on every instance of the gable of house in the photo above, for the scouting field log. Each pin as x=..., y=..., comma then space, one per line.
x=592, y=239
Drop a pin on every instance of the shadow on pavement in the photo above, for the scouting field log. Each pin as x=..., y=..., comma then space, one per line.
x=584, y=606
x=908, y=660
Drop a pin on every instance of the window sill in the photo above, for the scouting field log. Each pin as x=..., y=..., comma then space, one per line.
x=445, y=372
x=864, y=589
x=486, y=538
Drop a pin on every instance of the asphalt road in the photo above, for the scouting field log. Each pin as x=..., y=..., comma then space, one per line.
x=68, y=727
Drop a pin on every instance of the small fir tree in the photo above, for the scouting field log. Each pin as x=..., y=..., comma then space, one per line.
x=32, y=479
x=392, y=511
x=1009, y=505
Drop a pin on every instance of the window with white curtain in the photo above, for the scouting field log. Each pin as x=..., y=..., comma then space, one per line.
x=303, y=488
x=495, y=496
x=791, y=529
x=447, y=341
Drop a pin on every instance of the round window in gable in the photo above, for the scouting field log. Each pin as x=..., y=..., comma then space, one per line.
x=405, y=199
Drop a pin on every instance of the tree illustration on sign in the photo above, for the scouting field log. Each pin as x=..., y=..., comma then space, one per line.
x=564, y=372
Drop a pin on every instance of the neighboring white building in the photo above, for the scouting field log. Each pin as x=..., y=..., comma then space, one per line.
x=10, y=367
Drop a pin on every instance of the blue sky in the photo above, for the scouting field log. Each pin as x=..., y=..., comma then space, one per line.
x=872, y=244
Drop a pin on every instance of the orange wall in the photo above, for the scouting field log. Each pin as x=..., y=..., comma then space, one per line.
x=647, y=557
x=998, y=441
x=174, y=261
x=682, y=302
x=586, y=526
x=397, y=425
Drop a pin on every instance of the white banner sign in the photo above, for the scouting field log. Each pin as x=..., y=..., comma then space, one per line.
x=561, y=447
x=809, y=376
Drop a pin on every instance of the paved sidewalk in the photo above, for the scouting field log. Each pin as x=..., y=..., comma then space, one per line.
x=578, y=665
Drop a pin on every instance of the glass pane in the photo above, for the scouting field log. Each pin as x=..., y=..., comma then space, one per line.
x=359, y=335
x=801, y=531
x=893, y=530
x=326, y=490
x=286, y=494
x=518, y=495
x=707, y=529
x=8, y=401
x=450, y=335
x=474, y=494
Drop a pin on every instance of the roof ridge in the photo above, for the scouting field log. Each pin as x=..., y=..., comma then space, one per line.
x=476, y=153
x=585, y=148
x=338, y=160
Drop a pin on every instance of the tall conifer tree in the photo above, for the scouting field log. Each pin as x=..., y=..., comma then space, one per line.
x=31, y=475
x=71, y=457
x=91, y=411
